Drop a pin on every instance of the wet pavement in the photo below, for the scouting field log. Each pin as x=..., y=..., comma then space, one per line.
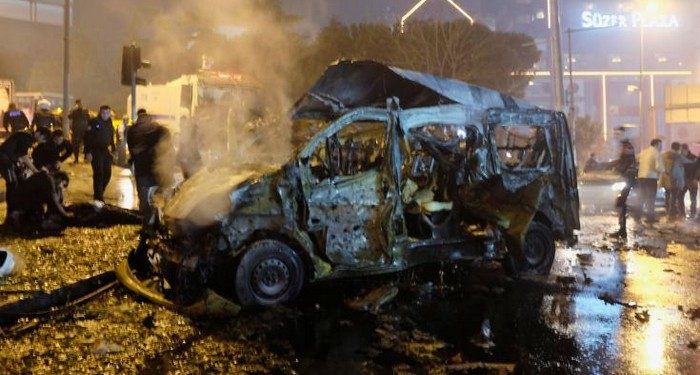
x=608, y=307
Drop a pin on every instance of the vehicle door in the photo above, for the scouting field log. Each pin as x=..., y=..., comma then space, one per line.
x=530, y=145
x=349, y=190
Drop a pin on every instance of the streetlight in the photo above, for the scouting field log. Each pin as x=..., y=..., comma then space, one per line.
x=650, y=7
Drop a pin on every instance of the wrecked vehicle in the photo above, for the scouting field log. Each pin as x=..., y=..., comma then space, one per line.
x=398, y=169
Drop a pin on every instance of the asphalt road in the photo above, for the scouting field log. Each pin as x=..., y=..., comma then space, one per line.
x=608, y=307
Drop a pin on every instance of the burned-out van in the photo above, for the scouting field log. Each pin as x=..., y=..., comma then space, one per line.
x=394, y=169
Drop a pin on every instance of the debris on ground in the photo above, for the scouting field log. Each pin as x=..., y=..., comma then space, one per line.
x=483, y=339
x=609, y=299
x=375, y=299
x=692, y=314
x=415, y=344
x=7, y=262
x=104, y=347
x=497, y=368
x=566, y=280
x=585, y=259
x=642, y=316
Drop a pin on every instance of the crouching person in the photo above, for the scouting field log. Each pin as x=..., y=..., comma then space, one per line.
x=40, y=202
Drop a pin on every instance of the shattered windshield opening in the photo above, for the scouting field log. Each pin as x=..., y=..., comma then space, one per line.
x=305, y=129
x=522, y=147
x=357, y=148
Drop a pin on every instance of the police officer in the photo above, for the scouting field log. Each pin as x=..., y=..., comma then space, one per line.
x=14, y=119
x=99, y=140
x=79, y=118
x=44, y=118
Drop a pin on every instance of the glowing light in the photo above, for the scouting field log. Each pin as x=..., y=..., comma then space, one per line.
x=652, y=7
x=654, y=345
x=420, y=3
x=549, y=14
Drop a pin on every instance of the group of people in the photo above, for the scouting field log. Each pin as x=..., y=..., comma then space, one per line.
x=677, y=171
x=31, y=157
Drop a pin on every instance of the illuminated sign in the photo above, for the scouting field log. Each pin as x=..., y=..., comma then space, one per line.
x=590, y=19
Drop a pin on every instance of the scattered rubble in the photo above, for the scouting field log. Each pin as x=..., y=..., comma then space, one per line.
x=375, y=299
x=7, y=262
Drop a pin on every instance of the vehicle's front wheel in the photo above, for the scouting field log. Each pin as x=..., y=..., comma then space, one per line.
x=537, y=254
x=269, y=273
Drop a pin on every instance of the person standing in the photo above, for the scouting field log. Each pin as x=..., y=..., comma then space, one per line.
x=14, y=119
x=44, y=118
x=121, y=141
x=146, y=139
x=650, y=168
x=14, y=158
x=99, y=140
x=626, y=166
x=79, y=118
x=673, y=180
x=691, y=180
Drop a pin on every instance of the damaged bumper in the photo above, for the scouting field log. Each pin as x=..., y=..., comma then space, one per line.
x=209, y=304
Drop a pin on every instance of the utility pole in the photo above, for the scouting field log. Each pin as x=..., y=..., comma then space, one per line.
x=572, y=107
x=644, y=131
x=66, y=64
x=555, y=50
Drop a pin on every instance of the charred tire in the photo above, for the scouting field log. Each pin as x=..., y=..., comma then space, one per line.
x=537, y=254
x=269, y=273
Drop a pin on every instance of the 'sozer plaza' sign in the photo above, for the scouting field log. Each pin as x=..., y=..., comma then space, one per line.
x=591, y=19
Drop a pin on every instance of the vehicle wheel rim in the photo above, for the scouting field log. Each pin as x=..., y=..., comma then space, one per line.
x=270, y=278
x=535, y=249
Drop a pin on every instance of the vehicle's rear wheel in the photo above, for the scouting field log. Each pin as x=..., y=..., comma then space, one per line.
x=269, y=273
x=537, y=254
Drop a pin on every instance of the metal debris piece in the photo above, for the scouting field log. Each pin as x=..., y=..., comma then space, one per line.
x=642, y=316
x=585, y=259
x=375, y=299
x=7, y=262
x=483, y=339
x=104, y=347
x=607, y=298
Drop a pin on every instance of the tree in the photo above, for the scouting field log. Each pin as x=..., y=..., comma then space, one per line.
x=455, y=49
x=589, y=137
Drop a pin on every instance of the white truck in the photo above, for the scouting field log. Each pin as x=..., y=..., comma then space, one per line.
x=214, y=103
x=6, y=94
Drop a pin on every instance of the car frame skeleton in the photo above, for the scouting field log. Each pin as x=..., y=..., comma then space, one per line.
x=406, y=169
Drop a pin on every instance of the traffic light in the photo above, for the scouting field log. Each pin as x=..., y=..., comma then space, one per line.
x=131, y=62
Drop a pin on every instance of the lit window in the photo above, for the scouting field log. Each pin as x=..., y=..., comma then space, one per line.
x=616, y=60
x=662, y=59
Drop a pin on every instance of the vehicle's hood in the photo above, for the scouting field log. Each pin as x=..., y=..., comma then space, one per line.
x=352, y=84
x=205, y=197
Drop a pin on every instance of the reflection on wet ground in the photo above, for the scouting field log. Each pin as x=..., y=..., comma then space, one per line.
x=121, y=190
x=601, y=311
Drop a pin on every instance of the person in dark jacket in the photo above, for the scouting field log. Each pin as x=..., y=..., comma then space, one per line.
x=79, y=118
x=14, y=158
x=14, y=119
x=51, y=154
x=626, y=166
x=99, y=140
x=43, y=118
x=145, y=140
x=40, y=202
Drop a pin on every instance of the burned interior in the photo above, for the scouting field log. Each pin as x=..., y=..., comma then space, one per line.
x=393, y=169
